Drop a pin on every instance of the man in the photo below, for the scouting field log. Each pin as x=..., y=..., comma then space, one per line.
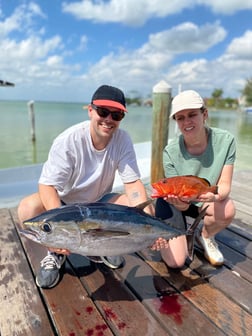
x=81, y=167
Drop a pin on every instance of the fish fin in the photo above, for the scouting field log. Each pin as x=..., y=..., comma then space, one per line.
x=214, y=189
x=106, y=233
x=203, y=179
x=141, y=206
x=191, y=231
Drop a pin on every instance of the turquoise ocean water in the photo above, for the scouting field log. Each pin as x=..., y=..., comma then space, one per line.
x=17, y=149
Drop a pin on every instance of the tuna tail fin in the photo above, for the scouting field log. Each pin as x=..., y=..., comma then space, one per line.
x=191, y=231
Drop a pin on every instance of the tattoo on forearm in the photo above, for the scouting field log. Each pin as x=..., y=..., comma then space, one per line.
x=135, y=194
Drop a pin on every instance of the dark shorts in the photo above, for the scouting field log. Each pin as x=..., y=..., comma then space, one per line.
x=164, y=211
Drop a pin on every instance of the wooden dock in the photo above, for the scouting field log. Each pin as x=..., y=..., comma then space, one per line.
x=142, y=298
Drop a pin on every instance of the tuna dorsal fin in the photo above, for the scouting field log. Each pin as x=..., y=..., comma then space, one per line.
x=144, y=204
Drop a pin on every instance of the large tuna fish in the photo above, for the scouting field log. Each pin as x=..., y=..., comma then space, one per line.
x=100, y=229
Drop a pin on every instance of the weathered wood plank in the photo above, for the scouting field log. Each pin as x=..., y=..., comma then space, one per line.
x=219, y=308
x=71, y=310
x=120, y=308
x=21, y=309
x=171, y=309
x=241, y=228
x=236, y=242
x=237, y=263
x=225, y=280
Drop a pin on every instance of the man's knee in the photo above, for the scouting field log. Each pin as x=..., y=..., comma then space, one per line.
x=29, y=206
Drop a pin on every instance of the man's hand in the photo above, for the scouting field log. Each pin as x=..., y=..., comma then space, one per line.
x=59, y=251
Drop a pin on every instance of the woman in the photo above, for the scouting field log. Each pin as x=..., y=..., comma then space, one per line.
x=205, y=152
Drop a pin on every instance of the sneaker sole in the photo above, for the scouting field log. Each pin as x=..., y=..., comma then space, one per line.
x=111, y=265
x=212, y=261
x=51, y=286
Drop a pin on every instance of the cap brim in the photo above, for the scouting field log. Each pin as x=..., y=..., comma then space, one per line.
x=109, y=103
x=181, y=107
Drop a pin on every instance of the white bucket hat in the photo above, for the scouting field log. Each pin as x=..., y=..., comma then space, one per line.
x=188, y=99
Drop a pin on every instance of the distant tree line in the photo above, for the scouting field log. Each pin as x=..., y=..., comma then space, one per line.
x=247, y=91
x=216, y=100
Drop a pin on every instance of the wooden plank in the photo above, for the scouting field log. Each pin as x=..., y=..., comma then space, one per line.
x=237, y=263
x=171, y=309
x=225, y=280
x=71, y=310
x=21, y=309
x=119, y=306
x=236, y=242
x=241, y=228
x=229, y=317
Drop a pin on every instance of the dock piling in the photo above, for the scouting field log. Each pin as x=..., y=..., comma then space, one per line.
x=160, y=127
x=30, y=105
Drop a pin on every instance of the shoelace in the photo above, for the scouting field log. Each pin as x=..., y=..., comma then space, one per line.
x=50, y=261
x=212, y=244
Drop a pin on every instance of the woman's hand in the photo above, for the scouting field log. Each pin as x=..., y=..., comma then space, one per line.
x=208, y=197
x=180, y=203
x=159, y=244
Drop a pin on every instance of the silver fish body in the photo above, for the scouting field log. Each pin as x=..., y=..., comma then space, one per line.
x=98, y=229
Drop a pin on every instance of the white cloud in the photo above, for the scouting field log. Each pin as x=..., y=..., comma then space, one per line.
x=241, y=47
x=136, y=13
x=131, y=12
x=226, y=6
x=188, y=38
x=153, y=60
x=36, y=63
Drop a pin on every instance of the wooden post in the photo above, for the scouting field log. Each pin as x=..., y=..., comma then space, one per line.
x=160, y=128
x=32, y=119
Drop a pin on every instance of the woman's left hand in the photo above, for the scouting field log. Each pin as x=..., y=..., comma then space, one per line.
x=159, y=244
x=207, y=197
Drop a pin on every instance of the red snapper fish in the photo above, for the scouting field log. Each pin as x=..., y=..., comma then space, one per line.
x=182, y=186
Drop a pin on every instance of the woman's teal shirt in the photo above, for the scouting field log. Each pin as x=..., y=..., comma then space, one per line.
x=220, y=151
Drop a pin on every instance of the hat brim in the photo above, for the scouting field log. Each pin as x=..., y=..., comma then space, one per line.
x=109, y=103
x=182, y=107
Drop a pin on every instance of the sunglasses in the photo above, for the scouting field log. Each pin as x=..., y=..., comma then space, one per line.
x=103, y=113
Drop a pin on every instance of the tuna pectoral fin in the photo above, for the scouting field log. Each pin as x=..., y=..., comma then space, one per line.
x=106, y=233
x=144, y=204
x=192, y=230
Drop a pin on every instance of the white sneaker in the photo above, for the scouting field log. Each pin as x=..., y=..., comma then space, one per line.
x=211, y=250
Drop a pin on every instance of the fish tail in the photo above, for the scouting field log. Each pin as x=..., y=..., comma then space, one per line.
x=214, y=189
x=191, y=231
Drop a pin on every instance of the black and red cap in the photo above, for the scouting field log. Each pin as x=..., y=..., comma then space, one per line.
x=109, y=96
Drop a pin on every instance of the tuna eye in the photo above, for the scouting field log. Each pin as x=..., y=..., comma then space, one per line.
x=46, y=227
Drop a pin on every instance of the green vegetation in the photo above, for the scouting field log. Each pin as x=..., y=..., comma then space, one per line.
x=215, y=101
x=247, y=91
x=218, y=102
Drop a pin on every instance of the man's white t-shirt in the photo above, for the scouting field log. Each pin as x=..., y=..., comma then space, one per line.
x=81, y=173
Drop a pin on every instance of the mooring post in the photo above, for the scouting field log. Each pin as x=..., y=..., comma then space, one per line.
x=32, y=119
x=160, y=127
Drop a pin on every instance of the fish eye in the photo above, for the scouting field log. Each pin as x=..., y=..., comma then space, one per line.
x=46, y=227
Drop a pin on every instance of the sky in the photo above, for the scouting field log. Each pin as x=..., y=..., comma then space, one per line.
x=57, y=50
